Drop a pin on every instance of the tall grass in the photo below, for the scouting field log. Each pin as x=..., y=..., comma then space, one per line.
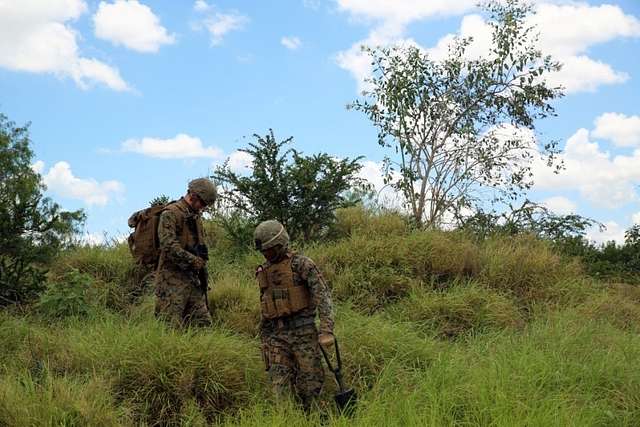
x=435, y=329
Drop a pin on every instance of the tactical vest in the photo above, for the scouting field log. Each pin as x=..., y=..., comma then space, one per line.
x=279, y=294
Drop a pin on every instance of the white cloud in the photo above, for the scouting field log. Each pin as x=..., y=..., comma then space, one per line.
x=35, y=37
x=560, y=205
x=372, y=172
x=182, y=146
x=566, y=31
x=218, y=24
x=613, y=232
x=404, y=11
x=201, y=6
x=131, y=24
x=392, y=18
x=312, y=4
x=571, y=29
x=291, y=43
x=240, y=161
x=93, y=239
x=38, y=167
x=623, y=131
x=60, y=180
x=605, y=180
x=583, y=74
x=635, y=218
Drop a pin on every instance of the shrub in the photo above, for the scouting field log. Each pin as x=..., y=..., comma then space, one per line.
x=116, y=277
x=67, y=297
x=32, y=227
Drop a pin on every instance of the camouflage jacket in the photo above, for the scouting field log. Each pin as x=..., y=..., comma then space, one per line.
x=179, y=228
x=306, y=273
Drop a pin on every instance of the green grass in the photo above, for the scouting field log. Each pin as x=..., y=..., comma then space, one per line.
x=435, y=329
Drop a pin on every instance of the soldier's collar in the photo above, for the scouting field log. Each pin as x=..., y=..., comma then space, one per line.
x=284, y=257
x=187, y=206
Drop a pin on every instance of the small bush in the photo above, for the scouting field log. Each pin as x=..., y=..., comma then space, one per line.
x=112, y=268
x=20, y=281
x=67, y=297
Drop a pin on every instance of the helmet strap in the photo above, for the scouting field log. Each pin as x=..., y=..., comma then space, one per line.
x=274, y=237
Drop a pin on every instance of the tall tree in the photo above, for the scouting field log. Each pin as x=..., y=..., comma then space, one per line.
x=302, y=192
x=462, y=124
x=32, y=227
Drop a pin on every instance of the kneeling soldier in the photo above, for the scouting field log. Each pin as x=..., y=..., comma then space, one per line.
x=291, y=290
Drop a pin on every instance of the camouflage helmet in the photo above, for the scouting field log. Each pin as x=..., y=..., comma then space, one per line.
x=269, y=234
x=205, y=189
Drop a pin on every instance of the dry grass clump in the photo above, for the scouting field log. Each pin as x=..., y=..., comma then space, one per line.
x=613, y=306
x=115, y=275
x=525, y=267
x=375, y=270
x=359, y=220
x=235, y=304
x=41, y=399
x=151, y=369
x=438, y=255
x=373, y=344
x=107, y=264
x=460, y=310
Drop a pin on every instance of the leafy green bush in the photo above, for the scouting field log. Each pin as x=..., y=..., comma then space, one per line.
x=115, y=276
x=67, y=297
x=302, y=192
x=32, y=227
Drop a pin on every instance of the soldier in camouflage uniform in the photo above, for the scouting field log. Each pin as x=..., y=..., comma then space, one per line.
x=291, y=291
x=180, y=297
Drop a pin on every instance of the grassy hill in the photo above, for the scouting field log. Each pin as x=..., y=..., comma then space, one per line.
x=436, y=329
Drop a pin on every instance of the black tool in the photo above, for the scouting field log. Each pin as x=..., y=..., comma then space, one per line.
x=345, y=398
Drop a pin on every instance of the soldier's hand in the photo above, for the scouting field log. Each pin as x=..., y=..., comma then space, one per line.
x=326, y=339
x=199, y=263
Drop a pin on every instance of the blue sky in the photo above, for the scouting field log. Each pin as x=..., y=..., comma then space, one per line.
x=131, y=99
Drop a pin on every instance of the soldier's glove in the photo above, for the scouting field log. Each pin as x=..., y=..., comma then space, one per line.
x=326, y=340
x=199, y=263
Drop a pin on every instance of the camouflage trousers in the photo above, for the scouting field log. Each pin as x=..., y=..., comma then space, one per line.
x=144, y=278
x=292, y=359
x=179, y=300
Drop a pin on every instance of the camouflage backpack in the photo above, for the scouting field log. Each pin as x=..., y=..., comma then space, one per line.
x=143, y=241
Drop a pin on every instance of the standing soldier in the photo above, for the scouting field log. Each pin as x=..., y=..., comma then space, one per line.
x=291, y=290
x=181, y=289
